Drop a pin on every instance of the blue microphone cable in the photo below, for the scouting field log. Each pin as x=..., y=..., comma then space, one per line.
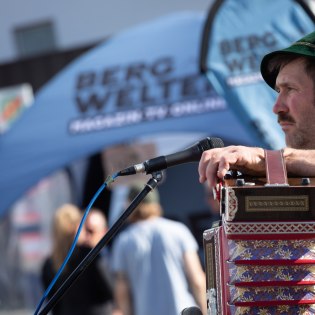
x=108, y=181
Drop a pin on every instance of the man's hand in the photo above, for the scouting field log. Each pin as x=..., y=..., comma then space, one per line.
x=216, y=163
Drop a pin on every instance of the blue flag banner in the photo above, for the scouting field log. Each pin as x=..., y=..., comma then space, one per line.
x=237, y=34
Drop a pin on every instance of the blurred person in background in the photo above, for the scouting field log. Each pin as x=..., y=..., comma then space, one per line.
x=95, y=227
x=91, y=293
x=155, y=262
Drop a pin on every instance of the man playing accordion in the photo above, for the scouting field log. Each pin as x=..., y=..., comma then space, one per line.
x=271, y=270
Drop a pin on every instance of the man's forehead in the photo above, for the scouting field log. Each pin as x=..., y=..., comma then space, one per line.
x=95, y=219
x=291, y=72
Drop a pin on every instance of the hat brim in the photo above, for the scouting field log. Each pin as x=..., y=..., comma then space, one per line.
x=269, y=75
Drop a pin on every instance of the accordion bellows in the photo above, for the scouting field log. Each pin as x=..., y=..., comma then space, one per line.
x=260, y=274
x=260, y=258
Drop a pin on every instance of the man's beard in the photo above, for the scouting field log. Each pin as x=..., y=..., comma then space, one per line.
x=297, y=140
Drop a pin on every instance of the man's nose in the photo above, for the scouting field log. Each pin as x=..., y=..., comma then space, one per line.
x=279, y=105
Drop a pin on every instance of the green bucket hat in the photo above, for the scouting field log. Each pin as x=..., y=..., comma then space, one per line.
x=305, y=47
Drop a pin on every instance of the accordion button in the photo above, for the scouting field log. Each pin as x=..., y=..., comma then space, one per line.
x=305, y=181
x=240, y=182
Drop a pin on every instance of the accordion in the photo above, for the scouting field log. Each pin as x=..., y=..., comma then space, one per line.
x=260, y=258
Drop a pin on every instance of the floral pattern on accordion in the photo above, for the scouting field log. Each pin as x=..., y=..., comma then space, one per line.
x=273, y=293
x=295, y=250
x=267, y=273
x=264, y=272
x=275, y=310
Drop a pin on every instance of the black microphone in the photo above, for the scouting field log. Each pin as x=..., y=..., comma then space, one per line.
x=193, y=310
x=191, y=154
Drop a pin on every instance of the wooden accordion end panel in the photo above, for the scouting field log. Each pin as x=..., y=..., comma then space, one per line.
x=260, y=258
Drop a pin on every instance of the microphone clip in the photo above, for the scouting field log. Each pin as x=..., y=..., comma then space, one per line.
x=157, y=175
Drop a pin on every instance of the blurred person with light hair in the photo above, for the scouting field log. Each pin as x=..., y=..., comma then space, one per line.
x=65, y=225
x=91, y=293
x=155, y=263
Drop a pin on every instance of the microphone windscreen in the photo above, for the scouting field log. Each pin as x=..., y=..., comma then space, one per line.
x=210, y=143
x=193, y=310
x=216, y=143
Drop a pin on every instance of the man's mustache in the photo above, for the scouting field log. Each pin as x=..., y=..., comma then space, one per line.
x=283, y=117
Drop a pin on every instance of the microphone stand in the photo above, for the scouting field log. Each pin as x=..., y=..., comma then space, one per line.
x=150, y=185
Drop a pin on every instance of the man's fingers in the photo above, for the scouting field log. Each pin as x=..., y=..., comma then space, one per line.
x=223, y=167
x=216, y=163
x=203, y=164
x=212, y=165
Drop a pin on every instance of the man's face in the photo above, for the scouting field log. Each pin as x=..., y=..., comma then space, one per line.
x=295, y=105
x=95, y=227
